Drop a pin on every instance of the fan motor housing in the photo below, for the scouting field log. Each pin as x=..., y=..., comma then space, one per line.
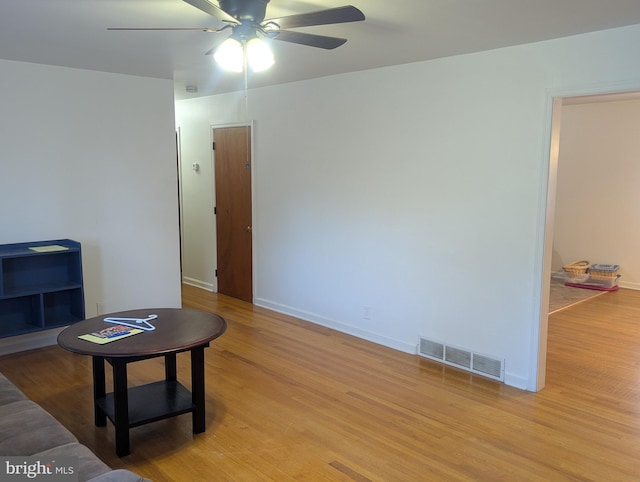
x=252, y=11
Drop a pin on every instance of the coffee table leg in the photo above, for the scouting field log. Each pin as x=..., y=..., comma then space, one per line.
x=170, y=367
x=121, y=408
x=99, y=390
x=197, y=389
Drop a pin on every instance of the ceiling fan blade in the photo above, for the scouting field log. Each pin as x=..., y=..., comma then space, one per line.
x=344, y=14
x=213, y=10
x=309, y=39
x=201, y=29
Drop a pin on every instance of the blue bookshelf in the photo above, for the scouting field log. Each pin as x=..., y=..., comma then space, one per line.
x=41, y=286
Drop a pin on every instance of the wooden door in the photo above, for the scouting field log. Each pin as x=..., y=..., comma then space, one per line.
x=232, y=159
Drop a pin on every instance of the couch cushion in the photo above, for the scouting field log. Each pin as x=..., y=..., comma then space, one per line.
x=119, y=475
x=27, y=429
x=9, y=393
x=16, y=407
x=89, y=465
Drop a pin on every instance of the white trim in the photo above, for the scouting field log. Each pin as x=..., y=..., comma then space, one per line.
x=538, y=365
x=198, y=283
x=29, y=341
x=606, y=88
x=516, y=381
x=629, y=285
x=335, y=325
x=254, y=249
x=180, y=195
x=212, y=183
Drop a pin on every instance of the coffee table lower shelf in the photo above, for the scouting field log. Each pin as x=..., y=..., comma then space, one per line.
x=152, y=402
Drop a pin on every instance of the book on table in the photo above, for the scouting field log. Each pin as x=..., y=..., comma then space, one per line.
x=109, y=334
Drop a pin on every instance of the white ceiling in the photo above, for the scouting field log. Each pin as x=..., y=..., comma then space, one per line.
x=73, y=33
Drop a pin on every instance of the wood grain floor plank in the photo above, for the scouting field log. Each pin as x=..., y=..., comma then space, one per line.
x=290, y=400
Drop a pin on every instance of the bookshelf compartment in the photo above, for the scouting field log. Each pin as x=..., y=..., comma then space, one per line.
x=62, y=308
x=35, y=273
x=20, y=315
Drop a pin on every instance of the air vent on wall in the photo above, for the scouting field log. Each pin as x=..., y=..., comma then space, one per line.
x=461, y=358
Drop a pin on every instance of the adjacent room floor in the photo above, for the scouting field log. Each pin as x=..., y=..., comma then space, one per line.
x=561, y=296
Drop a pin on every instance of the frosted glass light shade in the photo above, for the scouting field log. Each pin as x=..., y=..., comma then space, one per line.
x=259, y=55
x=230, y=55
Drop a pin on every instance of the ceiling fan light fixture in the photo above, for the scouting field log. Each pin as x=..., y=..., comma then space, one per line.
x=230, y=55
x=259, y=55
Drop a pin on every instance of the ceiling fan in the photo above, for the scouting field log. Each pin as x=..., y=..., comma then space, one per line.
x=246, y=19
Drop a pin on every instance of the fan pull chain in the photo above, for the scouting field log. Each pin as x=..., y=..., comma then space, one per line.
x=246, y=82
x=246, y=107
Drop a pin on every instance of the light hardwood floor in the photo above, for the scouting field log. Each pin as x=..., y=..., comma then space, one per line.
x=289, y=400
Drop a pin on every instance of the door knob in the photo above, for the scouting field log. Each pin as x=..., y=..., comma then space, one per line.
x=248, y=229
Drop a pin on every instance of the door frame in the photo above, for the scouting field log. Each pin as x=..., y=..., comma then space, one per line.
x=180, y=199
x=251, y=125
x=542, y=272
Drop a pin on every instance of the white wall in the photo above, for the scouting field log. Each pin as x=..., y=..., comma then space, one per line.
x=598, y=196
x=417, y=191
x=91, y=156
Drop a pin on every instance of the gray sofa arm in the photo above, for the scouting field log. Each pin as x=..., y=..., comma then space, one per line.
x=119, y=475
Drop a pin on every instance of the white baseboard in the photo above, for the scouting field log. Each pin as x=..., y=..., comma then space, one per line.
x=622, y=283
x=629, y=285
x=341, y=327
x=412, y=349
x=197, y=283
x=517, y=381
x=30, y=341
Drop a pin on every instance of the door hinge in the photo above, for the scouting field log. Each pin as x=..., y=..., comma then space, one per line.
x=215, y=210
x=213, y=146
x=216, y=273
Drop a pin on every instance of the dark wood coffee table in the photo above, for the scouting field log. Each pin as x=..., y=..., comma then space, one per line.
x=176, y=330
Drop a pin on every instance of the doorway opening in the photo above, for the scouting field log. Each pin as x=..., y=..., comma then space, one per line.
x=621, y=93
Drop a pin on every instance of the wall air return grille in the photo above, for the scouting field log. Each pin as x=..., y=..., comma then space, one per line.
x=457, y=357
x=431, y=349
x=461, y=358
x=487, y=366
